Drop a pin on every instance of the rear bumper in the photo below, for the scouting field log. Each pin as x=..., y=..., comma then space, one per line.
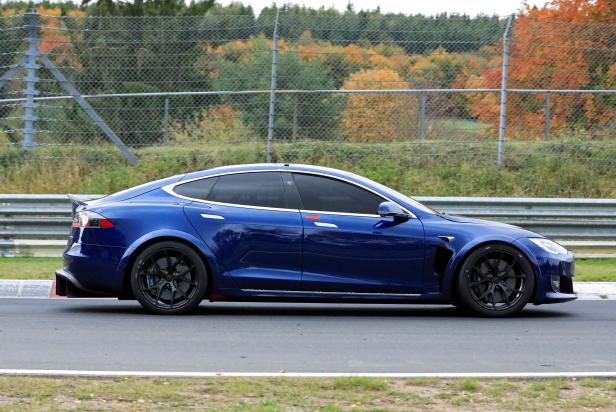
x=68, y=285
x=92, y=269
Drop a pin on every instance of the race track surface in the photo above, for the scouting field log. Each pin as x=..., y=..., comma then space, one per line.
x=232, y=337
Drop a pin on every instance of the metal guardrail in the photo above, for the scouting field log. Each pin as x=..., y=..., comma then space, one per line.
x=37, y=225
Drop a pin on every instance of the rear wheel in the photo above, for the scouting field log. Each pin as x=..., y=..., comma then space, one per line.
x=169, y=278
x=496, y=281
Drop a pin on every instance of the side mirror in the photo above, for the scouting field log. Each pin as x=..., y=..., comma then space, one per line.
x=391, y=209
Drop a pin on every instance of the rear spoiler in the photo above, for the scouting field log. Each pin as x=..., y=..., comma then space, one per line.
x=76, y=202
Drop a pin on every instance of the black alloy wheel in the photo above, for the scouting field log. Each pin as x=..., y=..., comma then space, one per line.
x=496, y=280
x=169, y=278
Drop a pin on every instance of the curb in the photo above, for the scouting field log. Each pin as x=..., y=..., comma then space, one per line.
x=46, y=289
x=595, y=290
x=26, y=288
x=392, y=375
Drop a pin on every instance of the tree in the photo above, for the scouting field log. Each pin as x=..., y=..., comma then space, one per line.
x=246, y=65
x=378, y=117
x=563, y=45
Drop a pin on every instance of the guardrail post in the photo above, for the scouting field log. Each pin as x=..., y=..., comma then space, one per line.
x=422, y=117
x=548, y=110
x=272, y=100
x=29, y=130
x=502, y=119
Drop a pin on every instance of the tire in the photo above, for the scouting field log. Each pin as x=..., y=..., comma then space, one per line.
x=495, y=281
x=169, y=278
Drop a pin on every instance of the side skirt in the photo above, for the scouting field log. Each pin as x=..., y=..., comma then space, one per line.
x=264, y=295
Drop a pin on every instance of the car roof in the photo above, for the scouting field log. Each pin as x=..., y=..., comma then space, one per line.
x=288, y=167
x=327, y=171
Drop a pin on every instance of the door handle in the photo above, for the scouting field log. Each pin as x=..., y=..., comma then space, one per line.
x=323, y=224
x=208, y=216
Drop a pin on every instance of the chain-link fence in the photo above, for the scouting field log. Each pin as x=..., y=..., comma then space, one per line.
x=486, y=91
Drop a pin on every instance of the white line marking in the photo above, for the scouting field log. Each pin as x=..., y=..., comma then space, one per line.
x=443, y=375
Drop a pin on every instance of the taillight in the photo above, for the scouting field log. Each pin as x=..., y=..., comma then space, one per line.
x=86, y=218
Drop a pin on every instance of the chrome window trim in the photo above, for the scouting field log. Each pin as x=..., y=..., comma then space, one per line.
x=169, y=189
x=320, y=212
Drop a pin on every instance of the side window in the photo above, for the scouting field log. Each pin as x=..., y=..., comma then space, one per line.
x=331, y=195
x=251, y=189
x=197, y=189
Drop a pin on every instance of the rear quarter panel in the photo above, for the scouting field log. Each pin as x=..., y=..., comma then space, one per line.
x=139, y=222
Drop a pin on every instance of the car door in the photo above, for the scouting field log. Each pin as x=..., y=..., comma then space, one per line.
x=348, y=247
x=245, y=221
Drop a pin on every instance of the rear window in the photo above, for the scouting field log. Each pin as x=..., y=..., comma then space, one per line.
x=252, y=189
x=197, y=189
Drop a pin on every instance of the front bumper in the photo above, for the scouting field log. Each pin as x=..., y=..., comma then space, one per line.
x=547, y=265
x=563, y=267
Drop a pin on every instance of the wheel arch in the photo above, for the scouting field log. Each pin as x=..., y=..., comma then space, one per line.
x=450, y=284
x=126, y=263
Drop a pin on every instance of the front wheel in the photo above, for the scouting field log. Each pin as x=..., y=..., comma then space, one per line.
x=169, y=278
x=496, y=281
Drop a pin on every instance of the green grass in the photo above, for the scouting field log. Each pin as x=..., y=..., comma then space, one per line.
x=587, y=270
x=29, y=267
x=571, y=168
x=468, y=385
x=301, y=394
x=595, y=270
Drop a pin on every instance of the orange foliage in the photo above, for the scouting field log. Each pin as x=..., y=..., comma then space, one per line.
x=378, y=117
x=547, y=54
x=54, y=36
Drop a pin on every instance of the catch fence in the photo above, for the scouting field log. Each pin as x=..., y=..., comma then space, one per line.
x=286, y=86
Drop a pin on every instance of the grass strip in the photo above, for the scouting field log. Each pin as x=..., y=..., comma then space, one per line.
x=315, y=394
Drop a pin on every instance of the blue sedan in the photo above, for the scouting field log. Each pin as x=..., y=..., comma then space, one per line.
x=283, y=232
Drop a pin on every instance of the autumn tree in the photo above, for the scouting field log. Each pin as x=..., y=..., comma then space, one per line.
x=563, y=45
x=377, y=117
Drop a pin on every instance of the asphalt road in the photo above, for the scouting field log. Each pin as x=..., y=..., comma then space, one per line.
x=230, y=337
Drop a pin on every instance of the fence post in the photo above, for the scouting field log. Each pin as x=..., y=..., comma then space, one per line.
x=31, y=67
x=166, y=121
x=295, y=115
x=548, y=114
x=502, y=119
x=422, y=117
x=272, y=100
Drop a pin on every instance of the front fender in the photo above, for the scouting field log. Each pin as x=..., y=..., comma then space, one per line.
x=461, y=254
x=168, y=234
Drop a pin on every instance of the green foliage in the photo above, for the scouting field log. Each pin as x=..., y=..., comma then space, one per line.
x=252, y=72
x=450, y=31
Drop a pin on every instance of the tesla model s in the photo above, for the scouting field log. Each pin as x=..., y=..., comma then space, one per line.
x=281, y=232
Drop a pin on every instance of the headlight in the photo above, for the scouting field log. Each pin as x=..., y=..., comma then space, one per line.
x=549, y=245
